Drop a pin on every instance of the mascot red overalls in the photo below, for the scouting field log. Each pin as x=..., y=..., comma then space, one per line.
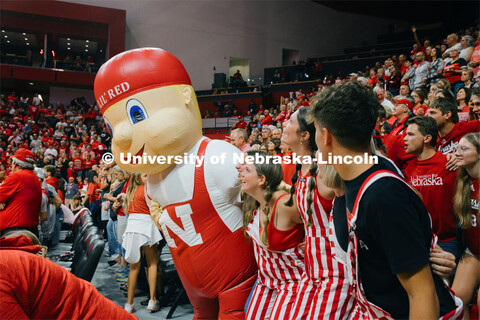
x=149, y=105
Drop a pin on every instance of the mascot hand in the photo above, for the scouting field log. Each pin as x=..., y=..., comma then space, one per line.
x=156, y=211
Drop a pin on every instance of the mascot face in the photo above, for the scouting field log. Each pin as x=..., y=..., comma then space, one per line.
x=147, y=113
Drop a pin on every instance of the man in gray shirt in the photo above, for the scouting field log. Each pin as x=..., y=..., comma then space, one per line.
x=422, y=69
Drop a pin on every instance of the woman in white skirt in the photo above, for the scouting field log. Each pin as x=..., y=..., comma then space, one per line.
x=141, y=234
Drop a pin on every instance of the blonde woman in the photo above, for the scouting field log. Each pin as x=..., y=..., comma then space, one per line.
x=466, y=200
x=141, y=235
x=276, y=231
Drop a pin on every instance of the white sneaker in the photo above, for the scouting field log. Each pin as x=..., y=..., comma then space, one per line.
x=153, y=305
x=130, y=308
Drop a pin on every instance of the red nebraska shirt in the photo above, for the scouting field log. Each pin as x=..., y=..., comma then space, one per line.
x=449, y=142
x=437, y=186
x=395, y=146
x=33, y=287
x=22, y=194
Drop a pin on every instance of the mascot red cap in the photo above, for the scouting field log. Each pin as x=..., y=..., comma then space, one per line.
x=123, y=75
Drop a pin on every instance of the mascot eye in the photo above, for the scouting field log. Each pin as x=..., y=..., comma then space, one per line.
x=109, y=127
x=135, y=111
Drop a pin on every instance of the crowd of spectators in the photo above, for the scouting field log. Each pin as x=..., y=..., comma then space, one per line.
x=66, y=142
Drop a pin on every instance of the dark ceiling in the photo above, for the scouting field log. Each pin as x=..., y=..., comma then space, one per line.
x=452, y=13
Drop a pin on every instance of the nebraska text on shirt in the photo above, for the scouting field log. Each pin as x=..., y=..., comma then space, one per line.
x=426, y=180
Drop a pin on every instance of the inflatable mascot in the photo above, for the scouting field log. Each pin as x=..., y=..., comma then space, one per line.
x=151, y=110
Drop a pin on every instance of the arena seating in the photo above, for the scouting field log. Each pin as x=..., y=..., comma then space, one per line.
x=87, y=246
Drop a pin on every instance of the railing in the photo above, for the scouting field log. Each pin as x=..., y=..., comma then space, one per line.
x=221, y=123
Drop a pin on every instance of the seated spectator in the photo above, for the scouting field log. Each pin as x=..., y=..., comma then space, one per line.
x=463, y=98
x=467, y=78
x=475, y=104
x=419, y=96
x=421, y=71
x=277, y=133
x=475, y=59
x=401, y=110
x=20, y=195
x=450, y=131
x=372, y=82
x=74, y=298
x=404, y=91
x=381, y=98
x=239, y=138
x=453, y=69
x=453, y=44
x=71, y=192
x=266, y=134
x=240, y=124
x=466, y=202
x=267, y=120
x=409, y=76
x=428, y=174
x=468, y=45
x=274, y=147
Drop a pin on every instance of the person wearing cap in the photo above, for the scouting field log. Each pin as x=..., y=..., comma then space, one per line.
x=20, y=195
x=150, y=108
x=302, y=102
x=401, y=110
x=240, y=124
x=352, y=77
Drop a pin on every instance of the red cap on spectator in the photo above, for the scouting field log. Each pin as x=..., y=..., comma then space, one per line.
x=312, y=94
x=301, y=97
x=406, y=102
x=25, y=155
x=134, y=71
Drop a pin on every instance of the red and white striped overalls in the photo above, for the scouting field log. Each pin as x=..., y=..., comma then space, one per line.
x=364, y=309
x=279, y=274
x=324, y=292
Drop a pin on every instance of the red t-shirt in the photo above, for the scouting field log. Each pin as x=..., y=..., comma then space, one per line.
x=33, y=287
x=449, y=142
x=463, y=114
x=472, y=234
x=71, y=173
x=33, y=110
x=139, y=204
x=459, y=64
x=437, y=186
x=87, y=164
x=77, y=163
x=94, y=195
x=396, y=150
x=241, y=124
x=421, y=106
x=267, y=120
x=53, y=182
x=22, y=194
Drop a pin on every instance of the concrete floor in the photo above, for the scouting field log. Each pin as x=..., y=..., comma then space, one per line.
x=104, y=281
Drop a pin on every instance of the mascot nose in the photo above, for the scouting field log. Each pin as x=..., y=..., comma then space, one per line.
x=123, y=135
